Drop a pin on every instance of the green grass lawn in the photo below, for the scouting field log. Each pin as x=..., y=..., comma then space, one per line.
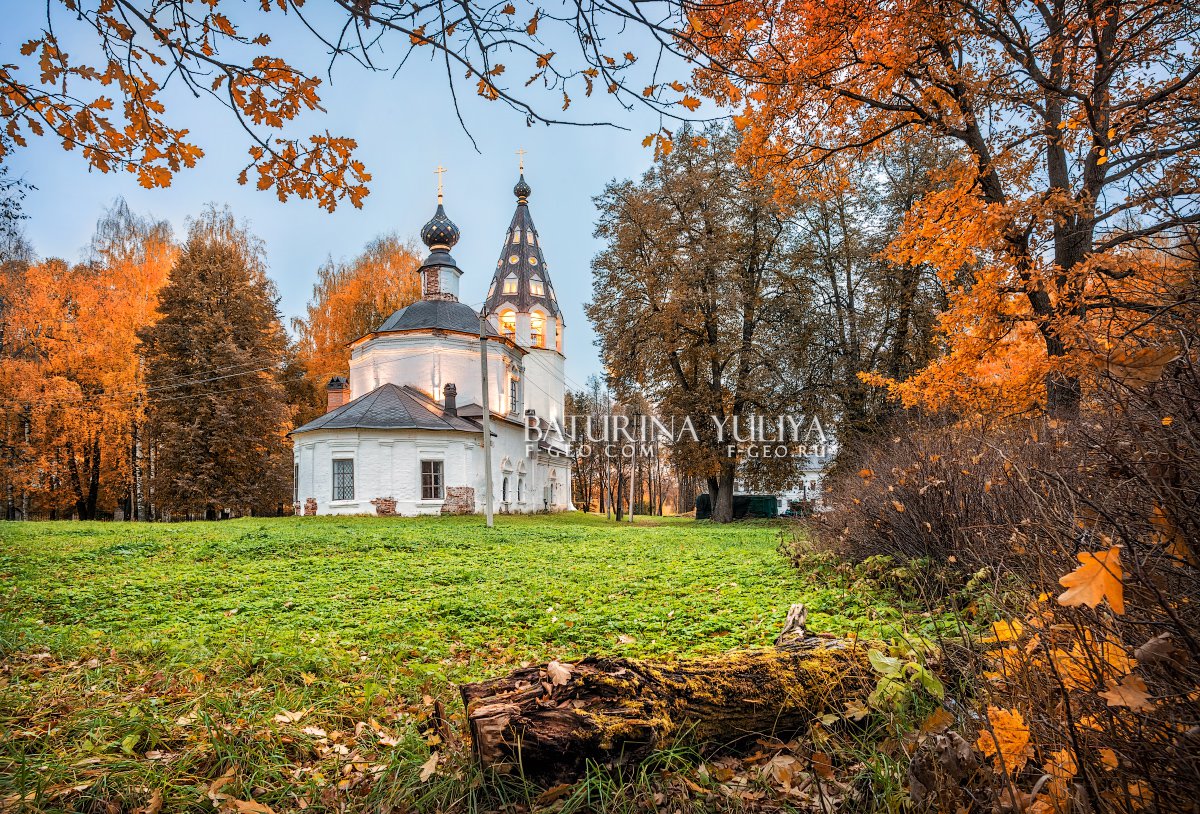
x=144, y=659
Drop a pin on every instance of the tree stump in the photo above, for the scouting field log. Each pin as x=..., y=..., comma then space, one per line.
x=550, y=720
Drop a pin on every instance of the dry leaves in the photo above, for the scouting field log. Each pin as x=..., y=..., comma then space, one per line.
x=558, y=672
x=1007, y=740
x=1097, y=578
x=1131, y=692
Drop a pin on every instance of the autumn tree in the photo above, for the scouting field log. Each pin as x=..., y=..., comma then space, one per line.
x=684, y=291
x=219, y=428
x=349, y=300
x=865, y=314
x=72, y=380
x=1075, y=128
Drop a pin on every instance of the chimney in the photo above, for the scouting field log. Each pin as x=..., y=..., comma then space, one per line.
x=337, y=393
x=451, y=404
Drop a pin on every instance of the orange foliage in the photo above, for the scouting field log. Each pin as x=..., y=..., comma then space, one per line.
x=72, y=378
x=114, y=109
x=1070, y=160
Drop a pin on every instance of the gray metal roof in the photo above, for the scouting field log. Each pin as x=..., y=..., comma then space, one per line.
x=445, y=315
x=389, y=407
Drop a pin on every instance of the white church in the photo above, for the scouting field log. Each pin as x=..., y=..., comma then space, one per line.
x=404, y=435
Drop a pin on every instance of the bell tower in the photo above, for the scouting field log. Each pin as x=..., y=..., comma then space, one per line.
x=521, y=304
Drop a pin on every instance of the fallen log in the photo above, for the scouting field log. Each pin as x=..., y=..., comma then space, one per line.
x=550, y=720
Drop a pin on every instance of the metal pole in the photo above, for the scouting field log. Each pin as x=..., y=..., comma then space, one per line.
x=487, y=420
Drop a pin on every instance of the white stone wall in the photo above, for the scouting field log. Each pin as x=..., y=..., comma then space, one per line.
x=545, y=387
x=387, y=464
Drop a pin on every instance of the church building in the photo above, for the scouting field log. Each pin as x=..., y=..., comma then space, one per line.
x=404, y=434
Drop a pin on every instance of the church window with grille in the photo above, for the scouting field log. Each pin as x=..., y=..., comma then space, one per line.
x=514, y=394
x=510, y=284
x=431, y=480
x=343, y=479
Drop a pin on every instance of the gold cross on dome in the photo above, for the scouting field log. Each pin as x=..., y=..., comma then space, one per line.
x=521, y=159
x=439, y=172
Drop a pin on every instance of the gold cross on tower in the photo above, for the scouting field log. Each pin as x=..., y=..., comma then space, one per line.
x=521, y=159
x=439, y=172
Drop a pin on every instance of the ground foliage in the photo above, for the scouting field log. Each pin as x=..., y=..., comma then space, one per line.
x=309, y=662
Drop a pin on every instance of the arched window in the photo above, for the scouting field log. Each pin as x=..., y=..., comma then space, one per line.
x=504, y=489
x=508, y=323
x=520, y=490
x=537, y=330
x=510, y=284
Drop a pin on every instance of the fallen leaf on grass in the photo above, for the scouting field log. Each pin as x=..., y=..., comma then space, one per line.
x=553, y=793
x=937, y=723
x=286, y=717
x=251, y=807
x=154, y=806
x=214, y=788
x=429, y=767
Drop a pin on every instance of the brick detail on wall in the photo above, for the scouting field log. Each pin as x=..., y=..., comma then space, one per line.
x=384, y=506
x=310, y=507
x=459, y=500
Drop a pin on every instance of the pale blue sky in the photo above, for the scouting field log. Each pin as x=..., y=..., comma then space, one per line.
x=405, y=127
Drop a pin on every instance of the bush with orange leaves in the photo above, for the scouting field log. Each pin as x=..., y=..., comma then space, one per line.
x=1086, y=676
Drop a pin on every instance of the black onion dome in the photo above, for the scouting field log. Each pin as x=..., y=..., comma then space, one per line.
x=440, y=232
x=522, y=190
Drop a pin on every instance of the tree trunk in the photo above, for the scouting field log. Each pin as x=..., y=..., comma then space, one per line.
x=550, y=721
x=722, y=499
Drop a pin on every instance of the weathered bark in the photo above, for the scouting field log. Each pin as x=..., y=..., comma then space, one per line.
x=619, y=710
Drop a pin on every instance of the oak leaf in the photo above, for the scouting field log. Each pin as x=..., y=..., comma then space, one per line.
x=1098, y=577
x=1131, y=692
x=559, y=673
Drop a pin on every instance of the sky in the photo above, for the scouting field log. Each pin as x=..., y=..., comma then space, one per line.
x=405, y=127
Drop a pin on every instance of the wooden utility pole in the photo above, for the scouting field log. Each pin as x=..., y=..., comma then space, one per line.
x=487, y=420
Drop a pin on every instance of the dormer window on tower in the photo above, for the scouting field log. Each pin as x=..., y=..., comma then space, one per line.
x=510, y=284
x=536, y=287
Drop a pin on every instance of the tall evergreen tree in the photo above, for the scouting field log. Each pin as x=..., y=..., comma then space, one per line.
x=218, y=412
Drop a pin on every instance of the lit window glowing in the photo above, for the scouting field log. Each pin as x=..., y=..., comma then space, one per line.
x=537, y=330
x=512, y=258
x=516, y=236
x=510, y=284
x=533, y=261
x=508, y=323
x=536, y=287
